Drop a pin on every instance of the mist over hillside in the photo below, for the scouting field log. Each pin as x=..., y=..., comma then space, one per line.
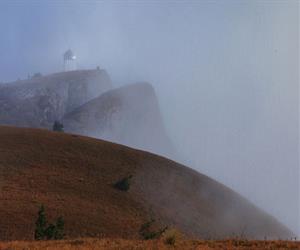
x=226, y=77
x=74, y=175
x=87, y=104
x=39, y=101
x=129, y=115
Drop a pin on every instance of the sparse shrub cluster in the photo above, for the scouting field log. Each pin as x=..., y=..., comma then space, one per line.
x=58, y=126
x=37, y=75
x=170, y=239
x=45, y=231
x=148, y=234
x=123, y=184
x=171, y=236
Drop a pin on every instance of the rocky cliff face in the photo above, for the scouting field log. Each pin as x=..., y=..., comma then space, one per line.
x=39, y=101
x=86, y=104
x=129, y=115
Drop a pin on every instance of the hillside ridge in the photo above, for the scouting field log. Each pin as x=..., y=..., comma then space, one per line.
x=128, y=115
x=73, y=176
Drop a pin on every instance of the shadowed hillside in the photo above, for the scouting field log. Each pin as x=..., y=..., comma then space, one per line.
x=74, y=176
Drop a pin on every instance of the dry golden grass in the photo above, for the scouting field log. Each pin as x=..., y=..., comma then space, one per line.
x=114, y=244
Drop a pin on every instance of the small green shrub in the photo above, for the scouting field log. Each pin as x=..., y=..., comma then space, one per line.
x=171, y=236
x=40, y=224
x=58, y=127
x=59, y=229
x=49, y=232
x=42, y=231
x=123, y=184
x=170, y=240
x=147, y=233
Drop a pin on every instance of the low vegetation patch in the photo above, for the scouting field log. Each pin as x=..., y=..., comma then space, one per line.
x=171, y=236
x=148, y=233
x=123, y=184
x=58, y=126
x=45, y=231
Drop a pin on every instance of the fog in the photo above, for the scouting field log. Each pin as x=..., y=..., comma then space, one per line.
x=226, y=76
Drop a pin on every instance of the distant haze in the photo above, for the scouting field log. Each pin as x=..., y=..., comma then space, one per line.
x=226, y=76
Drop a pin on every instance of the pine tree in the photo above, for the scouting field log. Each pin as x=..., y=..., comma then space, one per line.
x=40, y=224
x=43, y=230
x=123, y=184
x=50, y=231
x=59, y=229
x=57, y=126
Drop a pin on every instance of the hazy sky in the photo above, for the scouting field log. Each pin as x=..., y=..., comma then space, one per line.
x=226, y=74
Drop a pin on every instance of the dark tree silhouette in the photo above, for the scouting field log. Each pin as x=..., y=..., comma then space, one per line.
x=57, y=126
x=40, y=224
x=50, y=231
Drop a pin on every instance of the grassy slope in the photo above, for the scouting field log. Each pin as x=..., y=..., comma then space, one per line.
x=114, y=244
x=73, y=176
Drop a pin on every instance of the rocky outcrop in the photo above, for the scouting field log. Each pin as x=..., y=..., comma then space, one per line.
x=129, y=115
x=39, y=101
x=86, y=104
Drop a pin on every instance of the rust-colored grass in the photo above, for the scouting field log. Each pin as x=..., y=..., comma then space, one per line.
x=73, y=177
x=114, y=244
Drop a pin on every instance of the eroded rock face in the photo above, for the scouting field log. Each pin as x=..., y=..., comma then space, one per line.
x=129, y=115
x=86, y=104
x=39, y=101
